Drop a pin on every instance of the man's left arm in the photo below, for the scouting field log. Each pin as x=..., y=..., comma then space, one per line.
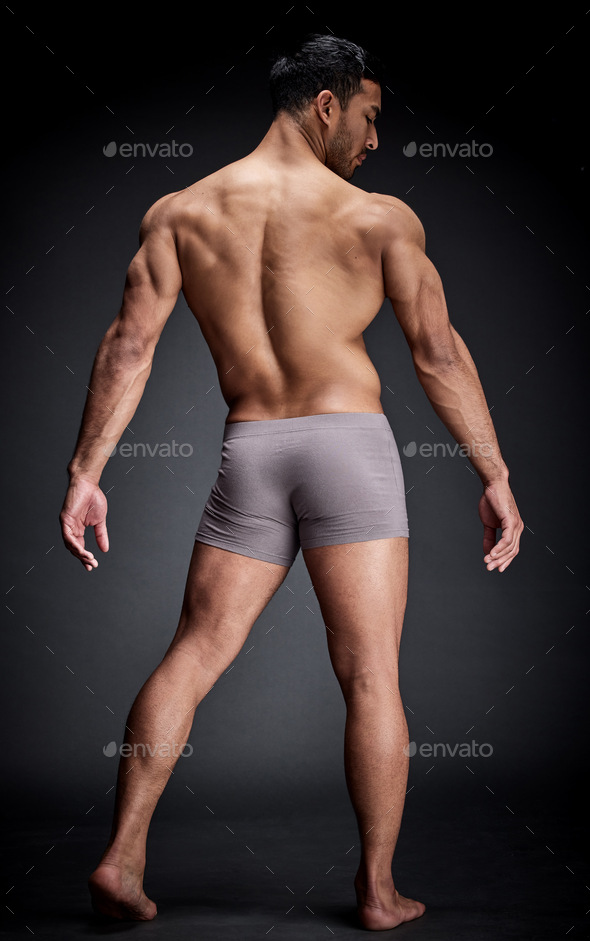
x=449, y=377
x=121, y=369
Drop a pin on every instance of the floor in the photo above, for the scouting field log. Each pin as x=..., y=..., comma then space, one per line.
x=483, y=871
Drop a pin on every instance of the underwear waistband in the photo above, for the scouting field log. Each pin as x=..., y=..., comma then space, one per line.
x=324, y=420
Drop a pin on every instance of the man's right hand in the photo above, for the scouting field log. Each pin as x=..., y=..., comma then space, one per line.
x=85, y=505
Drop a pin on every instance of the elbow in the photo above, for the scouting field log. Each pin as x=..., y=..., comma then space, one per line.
x=124, y=350
x=436, y=353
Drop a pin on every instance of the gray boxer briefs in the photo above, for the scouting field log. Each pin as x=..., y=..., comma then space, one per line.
x=314, y=480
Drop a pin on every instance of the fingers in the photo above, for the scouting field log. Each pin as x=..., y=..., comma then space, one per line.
x=102, y=536
x=500, y=562
x=74, y=541
x=506, y=549
x=86, y=557
x=489, y=539
x=504, y=544
x=502, y=553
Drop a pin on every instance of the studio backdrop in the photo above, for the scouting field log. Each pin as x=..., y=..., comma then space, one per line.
x=482, y=134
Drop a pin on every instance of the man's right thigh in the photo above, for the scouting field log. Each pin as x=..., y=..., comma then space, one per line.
x=224, y=595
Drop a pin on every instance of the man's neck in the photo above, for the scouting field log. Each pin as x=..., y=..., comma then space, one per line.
x=292, y=142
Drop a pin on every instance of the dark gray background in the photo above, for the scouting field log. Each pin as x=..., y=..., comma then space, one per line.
x=508, y=235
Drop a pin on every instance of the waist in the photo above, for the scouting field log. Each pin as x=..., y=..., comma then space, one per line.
x=269, y=390
x=318, y=422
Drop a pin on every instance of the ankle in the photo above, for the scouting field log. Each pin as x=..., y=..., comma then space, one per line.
x=374, y=882
x=124, y=856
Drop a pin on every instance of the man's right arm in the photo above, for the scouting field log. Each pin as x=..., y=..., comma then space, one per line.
x=121, y=369
x=449, y=377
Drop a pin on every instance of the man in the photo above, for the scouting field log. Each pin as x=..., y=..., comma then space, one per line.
x=284, y=264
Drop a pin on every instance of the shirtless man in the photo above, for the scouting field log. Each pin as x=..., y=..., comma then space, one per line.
x=284, y=264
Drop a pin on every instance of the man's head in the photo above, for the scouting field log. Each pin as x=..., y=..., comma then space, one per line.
x=331, y=88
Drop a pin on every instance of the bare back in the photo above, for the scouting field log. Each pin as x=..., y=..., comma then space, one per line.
x=282, y=268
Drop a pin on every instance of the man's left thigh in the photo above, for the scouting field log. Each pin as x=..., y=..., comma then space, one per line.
x=225, y=593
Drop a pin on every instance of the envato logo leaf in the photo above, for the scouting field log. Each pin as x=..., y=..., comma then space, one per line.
x=110, y=149
x=410, y=149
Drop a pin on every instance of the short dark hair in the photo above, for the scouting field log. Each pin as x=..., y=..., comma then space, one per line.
x=320, y=62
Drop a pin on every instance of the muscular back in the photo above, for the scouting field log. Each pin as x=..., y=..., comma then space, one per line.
x=282, y=267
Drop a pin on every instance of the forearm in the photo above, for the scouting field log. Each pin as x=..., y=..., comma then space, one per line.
x=451, y=382
x=117, y=382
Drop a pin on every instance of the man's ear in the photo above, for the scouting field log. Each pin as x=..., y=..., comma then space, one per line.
x=325, y=105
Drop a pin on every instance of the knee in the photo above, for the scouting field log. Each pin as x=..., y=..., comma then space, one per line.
x=363, y=684
x=208, y=643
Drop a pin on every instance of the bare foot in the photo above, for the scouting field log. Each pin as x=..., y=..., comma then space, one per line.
x=117, y=891
x=385, y=909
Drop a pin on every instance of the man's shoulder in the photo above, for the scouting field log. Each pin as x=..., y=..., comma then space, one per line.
x=396, y=218
x=171, y=209
x=161, y=215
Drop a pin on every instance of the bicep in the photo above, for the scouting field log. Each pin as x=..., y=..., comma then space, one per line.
x=415, y=289
x=152, y=285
